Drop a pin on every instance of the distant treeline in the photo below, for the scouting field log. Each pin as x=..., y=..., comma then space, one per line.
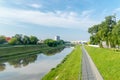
x=20, y=39
x=107, y=31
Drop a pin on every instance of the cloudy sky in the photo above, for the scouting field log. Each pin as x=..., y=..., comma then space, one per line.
x=69, y=19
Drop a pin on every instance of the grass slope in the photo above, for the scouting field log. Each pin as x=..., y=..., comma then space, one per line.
x=25, y=49
x=107, y=61
x=68, y=69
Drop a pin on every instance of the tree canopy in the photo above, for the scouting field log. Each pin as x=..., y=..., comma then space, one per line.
x=20, y=39
x=53, y=43
x=108, y=31
x=2, y=39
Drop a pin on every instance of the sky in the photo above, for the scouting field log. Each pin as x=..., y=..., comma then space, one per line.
x=70, y=19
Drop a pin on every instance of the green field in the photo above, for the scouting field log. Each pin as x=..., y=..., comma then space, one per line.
x=68, y=69
x=107, y=62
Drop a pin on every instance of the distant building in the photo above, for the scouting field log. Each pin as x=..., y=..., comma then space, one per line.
x=76, y=42
x=84, y=42
x=40, y=41
x=79, y=42
x=57, y=38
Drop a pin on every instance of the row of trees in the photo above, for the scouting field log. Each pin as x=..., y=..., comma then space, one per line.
x=19, y=39
x=107, y=31
x=53, y=43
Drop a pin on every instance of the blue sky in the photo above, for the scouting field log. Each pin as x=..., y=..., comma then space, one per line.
x=69, y=19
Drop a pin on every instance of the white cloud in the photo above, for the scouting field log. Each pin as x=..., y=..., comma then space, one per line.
x=35, y=5
x=50, y=19
x=87, y=13
x=116, y=10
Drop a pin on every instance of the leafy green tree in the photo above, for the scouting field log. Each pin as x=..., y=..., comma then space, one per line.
x=94, y=29
x=103, y=31
x=53, y=43
x=2, y=39
x=109, y=25
x=60, y=42
x=33, y=40
x=13, y=41
x=26, y=40
x=94, y=40
x=116, y=34
x=19, y=38
x=50, y=42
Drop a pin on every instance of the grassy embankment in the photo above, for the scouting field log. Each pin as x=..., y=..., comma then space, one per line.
x=68, y=69
x=107, y=61
x=25, y=49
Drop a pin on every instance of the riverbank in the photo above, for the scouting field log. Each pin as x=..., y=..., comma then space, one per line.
x=68, y=69
x=25, y=49
x=107, y=62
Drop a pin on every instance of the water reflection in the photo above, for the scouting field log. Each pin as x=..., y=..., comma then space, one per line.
x=19, y=61
x=23, y=61
x=30, y=66
x=2, y=67
x=53, y=51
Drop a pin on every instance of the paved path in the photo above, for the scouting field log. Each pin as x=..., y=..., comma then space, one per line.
x=89, y=70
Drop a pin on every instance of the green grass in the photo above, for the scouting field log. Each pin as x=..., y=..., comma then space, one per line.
x=68, y=69
x=107, y=62
x=26, y=49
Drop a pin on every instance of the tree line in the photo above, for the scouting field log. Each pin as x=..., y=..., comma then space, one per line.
x=107, y=31
x=20, y=39
x=53, y=43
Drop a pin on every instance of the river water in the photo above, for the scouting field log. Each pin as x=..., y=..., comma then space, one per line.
x=30, y=67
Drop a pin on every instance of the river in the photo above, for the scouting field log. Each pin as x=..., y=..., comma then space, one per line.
x=30, y=67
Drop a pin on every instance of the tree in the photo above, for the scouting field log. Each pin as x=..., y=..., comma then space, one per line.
x=60, y=42
x=109, y=25
x=103, y=31
x=94, y=40
x=53, y=43
x=93, y=30
x=19, y=38
x=2, y=39
x=116, y=34
x=50, y=42
x=13, y=41
x=26, y=40
x=33, y=40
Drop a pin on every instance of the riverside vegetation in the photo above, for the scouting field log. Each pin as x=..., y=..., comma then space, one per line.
x=22, y=44
x=107, y=31
x=106, y=35
x=68, y=69
x=27, y=49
